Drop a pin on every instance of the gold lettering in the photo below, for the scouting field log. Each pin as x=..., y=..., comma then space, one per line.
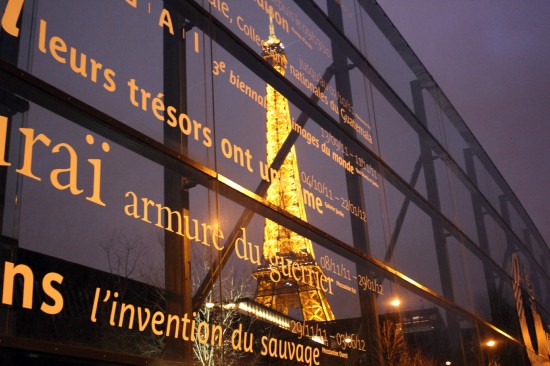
x=72, y=170
x=53, y=293
x=131, y=209
x=57, y=44
x=173, y=319
x=123, y=309
x=169, y=214
x=3, y=140
x=11, y=16
x=95, y=197
x=286, y=268
x=10, y=271
x=166, y=20
x=146, y=203
x=42, y=36
x=296, y=268
x=158, y=319
x=26, y=169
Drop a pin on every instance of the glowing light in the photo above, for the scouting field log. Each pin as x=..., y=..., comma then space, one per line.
x=395, y=302
x=318, y=339
x=491, y=343
x=448, y=363
x=285, y=191
x=263, y=314
x=209, y=305
x=347, y=340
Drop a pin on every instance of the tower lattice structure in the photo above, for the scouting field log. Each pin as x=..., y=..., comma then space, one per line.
x=289, y=276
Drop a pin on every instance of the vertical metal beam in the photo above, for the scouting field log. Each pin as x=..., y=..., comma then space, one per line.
x=178, y=283
x=9, y=106
x=9, y=103
x=359, y=228
x=483, y=240
x=439, y=234
x=510, y=246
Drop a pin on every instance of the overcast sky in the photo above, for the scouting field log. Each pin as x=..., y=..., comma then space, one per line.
x=492, y=60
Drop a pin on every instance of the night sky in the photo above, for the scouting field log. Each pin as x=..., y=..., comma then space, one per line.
x=492, y=60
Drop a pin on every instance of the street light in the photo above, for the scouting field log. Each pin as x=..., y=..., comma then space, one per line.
x=395, y=302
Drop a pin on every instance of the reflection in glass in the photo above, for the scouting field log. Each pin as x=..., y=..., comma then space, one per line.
x=289, y=276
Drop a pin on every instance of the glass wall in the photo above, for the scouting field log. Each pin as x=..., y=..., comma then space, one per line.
x=270, y=182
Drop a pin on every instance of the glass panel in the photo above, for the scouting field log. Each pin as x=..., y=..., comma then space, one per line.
x=462, y=207
x=113, y=75
x=433, y=116
x=414, y=250
x=417, y=330
x=398, y=143
x=213, y=187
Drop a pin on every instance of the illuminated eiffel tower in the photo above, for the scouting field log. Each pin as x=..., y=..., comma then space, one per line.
x=289, y=276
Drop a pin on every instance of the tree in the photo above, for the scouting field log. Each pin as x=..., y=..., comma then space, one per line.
x=129, y=259
x=392, y=342
x=394, y=348
x=221, y=308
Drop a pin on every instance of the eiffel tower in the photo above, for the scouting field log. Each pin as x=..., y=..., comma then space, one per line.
x=289, y=277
